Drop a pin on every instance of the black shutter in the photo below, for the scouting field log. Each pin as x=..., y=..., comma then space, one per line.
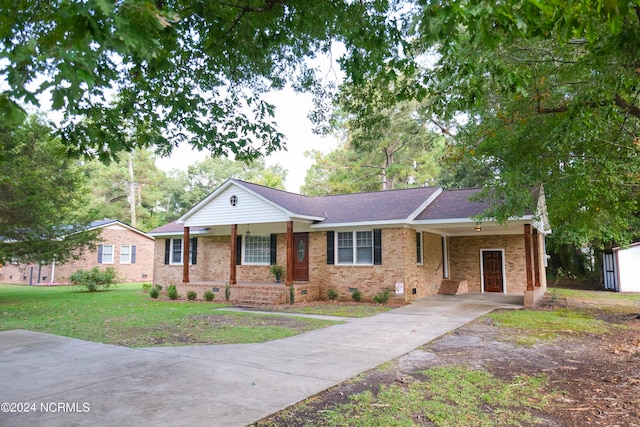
x=238, y=250
x=273, y=254
x=167, y=250
x=133, y=254
x=377, y=247
x=331, y=241
x=194, y=251
x=99, y=254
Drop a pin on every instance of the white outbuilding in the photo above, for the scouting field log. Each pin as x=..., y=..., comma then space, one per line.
x=622, y=269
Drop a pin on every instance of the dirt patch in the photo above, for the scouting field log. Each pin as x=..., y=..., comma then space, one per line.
x=594, y=380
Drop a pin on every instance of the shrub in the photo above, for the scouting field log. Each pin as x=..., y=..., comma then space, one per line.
x=154, y=292
x=292, y=294
x=208, y=296
x=227, y=292
x=382, y=297
x=332, y=294
x=356, y=295
x=94, y=278
x=146, y=287
x=278, y=271
x=192, y=295
x=172, y=292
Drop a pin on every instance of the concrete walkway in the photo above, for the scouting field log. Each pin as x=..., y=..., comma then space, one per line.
x=67, y=382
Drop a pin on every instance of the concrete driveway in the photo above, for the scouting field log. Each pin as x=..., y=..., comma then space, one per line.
x=48, y=380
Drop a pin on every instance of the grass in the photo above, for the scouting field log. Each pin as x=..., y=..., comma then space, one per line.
x=126, y=316
x=445, y=396
x=594, y=295
x=533, y=326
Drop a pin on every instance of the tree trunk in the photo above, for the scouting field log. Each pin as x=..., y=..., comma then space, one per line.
x=132, y=191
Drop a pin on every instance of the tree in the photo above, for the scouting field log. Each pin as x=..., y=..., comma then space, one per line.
x=550, y=93
x=131, y=190
x=391, y=149
x=184, y=71
x=42, y=208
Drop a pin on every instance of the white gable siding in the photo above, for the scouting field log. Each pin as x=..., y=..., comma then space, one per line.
x=249, y=210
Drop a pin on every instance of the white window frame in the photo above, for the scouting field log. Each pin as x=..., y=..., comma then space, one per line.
x=354, y=247
x=171, y=252
x=265, y=248
x=419, y=245
x=128, y=259
x=104, y=260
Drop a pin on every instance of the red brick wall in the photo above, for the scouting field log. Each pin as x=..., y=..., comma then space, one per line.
x=398, y=264
x=111, y=235
x=464, y=256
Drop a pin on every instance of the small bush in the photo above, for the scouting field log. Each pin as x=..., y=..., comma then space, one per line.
x=172, y=292
x=227, y=292
x=192, y=295
x=382, y=297
x=332, y=294
x=356, y=295
x=159, y=287
x=209, y=296
x=292, y=294
x=146, y=287
x=94, y=278
x=154, y=292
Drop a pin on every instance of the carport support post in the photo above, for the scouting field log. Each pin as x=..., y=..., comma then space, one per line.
x=185, y=256
x=289, y=273
x=232, y=266
x=527, y=254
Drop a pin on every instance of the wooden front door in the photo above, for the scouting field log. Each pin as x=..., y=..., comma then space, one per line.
x=492, y=271
x=301, y=257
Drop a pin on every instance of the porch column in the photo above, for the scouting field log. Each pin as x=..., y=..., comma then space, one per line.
x=527, y=254
x=289, y=278
x=232, y=266
x=536, y=258
x=185, y=256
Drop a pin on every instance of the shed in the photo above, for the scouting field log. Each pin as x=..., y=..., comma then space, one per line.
x=622, y=269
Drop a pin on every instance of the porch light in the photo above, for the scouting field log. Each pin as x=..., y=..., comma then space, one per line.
x=248, y=233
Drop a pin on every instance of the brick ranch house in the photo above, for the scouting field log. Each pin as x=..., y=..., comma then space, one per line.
x=414, y=242
x=127, y=249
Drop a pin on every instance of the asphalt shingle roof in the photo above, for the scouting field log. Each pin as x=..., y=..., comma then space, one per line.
x=355, y=207
x=376, y=206
x=453, y=204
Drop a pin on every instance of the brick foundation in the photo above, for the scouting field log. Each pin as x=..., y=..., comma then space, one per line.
x=251, y=293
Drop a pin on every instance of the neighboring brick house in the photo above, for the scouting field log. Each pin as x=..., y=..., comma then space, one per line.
x=414, y=242
x=127, y=249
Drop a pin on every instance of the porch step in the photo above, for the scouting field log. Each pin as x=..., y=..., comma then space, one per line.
x=453, y=287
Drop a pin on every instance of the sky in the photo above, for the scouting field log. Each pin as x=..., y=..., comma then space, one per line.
x=291, y=116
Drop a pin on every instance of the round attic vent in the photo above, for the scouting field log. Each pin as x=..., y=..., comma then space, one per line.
x=233, y=200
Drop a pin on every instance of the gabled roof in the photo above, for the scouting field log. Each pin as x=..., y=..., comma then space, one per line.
x=174, y=228
x=295, y=203
x=102, y=223
x=260, y=204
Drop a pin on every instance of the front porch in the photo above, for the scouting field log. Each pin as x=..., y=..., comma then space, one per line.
x=252, y=293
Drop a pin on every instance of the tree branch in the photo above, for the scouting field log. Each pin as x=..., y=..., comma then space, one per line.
x=442, y=128
x=245, y=9
x=623, y=103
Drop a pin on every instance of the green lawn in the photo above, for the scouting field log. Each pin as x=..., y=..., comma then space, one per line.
x=126, y=316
